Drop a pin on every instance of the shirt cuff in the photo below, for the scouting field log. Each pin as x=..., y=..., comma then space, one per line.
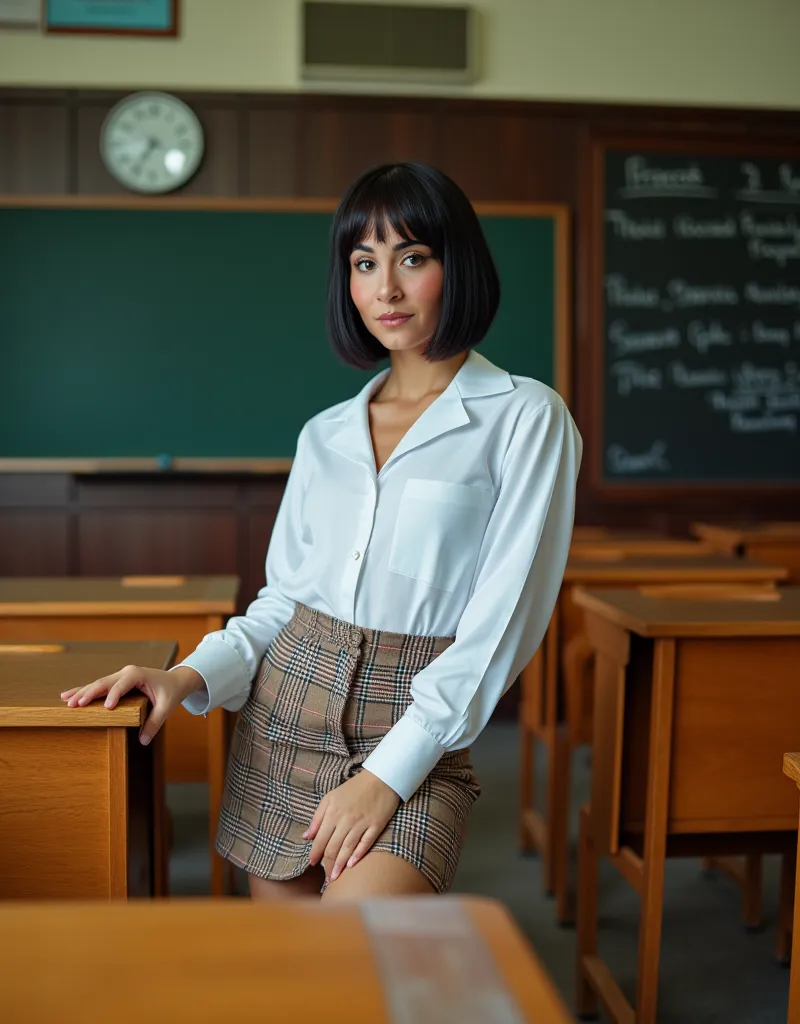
x=405, y=757
x=225, y=675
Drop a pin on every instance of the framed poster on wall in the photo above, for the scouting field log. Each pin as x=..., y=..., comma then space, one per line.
x=122, y=17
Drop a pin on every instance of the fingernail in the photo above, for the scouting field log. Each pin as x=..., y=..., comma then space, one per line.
x=144, y=740
x=335, y=874
x=351, y=862
x=108, y=703
x=305, y=834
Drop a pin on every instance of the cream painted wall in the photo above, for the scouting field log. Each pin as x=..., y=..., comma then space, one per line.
x=716, y=52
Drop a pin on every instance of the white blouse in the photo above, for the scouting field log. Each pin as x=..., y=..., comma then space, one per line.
x=464, y=532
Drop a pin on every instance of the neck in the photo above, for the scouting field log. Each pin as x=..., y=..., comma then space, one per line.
x=413, y=378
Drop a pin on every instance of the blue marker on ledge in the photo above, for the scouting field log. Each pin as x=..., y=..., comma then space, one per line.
x=164, y=462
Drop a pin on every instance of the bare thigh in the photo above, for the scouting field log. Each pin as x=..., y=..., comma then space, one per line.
x=378, y=874
x=305, y=885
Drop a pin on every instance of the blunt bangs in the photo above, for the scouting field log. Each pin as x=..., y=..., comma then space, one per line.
x=421, y=203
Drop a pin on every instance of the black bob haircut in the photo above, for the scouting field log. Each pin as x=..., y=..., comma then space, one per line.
x=423, y=204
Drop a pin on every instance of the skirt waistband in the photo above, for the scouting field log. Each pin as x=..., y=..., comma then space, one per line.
x=346, y=634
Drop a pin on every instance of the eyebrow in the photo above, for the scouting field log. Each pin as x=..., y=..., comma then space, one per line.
x=395, y=248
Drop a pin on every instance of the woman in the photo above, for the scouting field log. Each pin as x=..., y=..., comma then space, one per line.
x=413, y=568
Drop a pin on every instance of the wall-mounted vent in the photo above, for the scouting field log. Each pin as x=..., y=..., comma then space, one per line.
x=408, y=42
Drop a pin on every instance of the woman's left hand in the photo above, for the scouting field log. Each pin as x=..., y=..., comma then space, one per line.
x=348, y=821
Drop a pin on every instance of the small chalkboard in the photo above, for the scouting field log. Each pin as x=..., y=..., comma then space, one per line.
x=700, y=314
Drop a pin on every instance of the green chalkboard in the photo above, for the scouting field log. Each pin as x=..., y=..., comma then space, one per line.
x=200, y=333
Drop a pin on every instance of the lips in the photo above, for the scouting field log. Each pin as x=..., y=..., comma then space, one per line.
x=394, y=319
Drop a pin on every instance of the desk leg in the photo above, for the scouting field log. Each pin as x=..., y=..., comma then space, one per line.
x=221, y=873
x=555, y=784
x=588, y=866
x=527, y=784
x=559, y=826
x=161, y=820
x=655, y=831
x=794, y=981
x=783, y=944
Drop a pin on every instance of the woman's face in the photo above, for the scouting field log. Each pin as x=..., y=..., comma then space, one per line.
x=397, y=288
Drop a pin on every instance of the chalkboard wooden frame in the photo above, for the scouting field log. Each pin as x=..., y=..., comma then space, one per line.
x=562, y=312
x=591, y=341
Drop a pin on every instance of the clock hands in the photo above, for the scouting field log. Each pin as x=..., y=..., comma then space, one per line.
x=152, y=144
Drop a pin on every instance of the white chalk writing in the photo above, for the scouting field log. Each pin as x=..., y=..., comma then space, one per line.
x=685, y=295
x=620, y=293
x=636, y=230
x=706, y=336
x=779, y=294
x=626, y=341
x=620, y=460
x=633, y=376
x=707, y=377
x=741, y=424
x=642, y=179
x=763, y=334
x=685, y=226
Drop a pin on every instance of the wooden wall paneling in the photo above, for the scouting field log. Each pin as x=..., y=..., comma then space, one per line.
x=34, y=145
x=219, y=173
x=165, y=491
x=92, y=177
x=36, y=526
x=23, y=490
x=340, y=141
x=257, y=534
x=271, y=164
x=506, y=155
x=182, y=541
x=35, y=543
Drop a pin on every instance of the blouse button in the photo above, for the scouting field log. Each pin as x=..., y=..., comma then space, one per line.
x=356, y=555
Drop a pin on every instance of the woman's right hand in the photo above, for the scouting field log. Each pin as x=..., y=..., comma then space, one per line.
x=164, y=690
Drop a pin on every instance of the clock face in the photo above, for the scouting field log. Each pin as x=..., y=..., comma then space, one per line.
x=152, y=142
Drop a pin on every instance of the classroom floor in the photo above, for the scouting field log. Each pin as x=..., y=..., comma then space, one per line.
x=712, y=970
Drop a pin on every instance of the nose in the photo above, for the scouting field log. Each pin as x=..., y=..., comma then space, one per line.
x=389, y=290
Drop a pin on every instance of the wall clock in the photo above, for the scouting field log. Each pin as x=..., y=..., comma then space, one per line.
x=152, y=142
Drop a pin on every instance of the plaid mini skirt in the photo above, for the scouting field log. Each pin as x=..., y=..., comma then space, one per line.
x=325, y=695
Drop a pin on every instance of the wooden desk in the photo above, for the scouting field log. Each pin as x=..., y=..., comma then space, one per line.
x=81, y=800
x=777, y=543
x=695, y=703
x=611, y=545
x=382, y=961
x=556, y=705
x=179, y=608
x=791, y=767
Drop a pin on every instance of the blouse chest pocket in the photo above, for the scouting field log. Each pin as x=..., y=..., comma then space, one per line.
x=439, y=531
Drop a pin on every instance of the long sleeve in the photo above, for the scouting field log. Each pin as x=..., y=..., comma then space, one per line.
x=228, y=659
x=520, y=567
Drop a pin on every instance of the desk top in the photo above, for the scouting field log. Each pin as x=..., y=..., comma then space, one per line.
x=707, y=568
x=776, y=614
x=31, y=683
x=733, y=536
x=382, y=961
x=128, y=595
